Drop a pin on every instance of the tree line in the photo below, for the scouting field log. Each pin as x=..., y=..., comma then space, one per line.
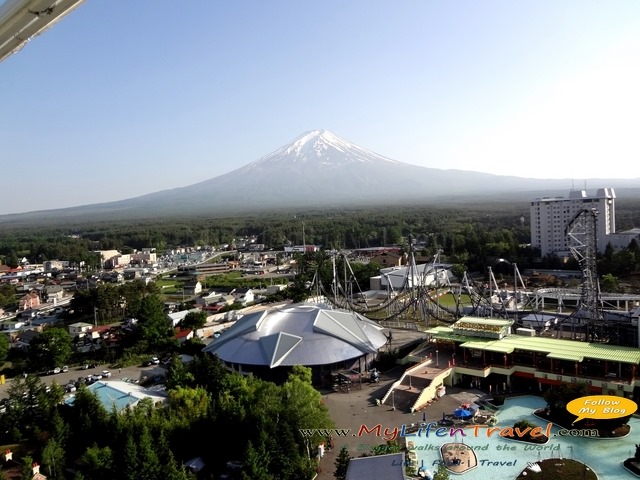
x=470, y=235
x=210, y=413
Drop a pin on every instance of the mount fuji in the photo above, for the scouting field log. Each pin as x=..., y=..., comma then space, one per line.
x=320, y=169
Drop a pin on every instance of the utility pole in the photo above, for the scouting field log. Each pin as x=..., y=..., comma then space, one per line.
x=304, y=241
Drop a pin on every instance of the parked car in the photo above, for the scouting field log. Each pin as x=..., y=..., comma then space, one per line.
x=152, y=361
x=70, y=387
x=54, y=371
x=65, y=369
x=95, y=377
x=106, y=374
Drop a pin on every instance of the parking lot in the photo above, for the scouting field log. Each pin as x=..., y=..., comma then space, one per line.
x=75, y=374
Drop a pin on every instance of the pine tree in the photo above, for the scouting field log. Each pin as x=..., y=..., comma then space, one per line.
x=256, y=463
x=26, y=473
x=54, y=459
x=130, y=459
x=342, y=463
x=147, y=456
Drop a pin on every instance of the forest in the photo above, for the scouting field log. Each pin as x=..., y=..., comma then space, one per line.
x=467, y=234
x=209, y=413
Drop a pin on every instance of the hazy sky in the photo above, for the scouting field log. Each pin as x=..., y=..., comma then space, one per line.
x=123, y=98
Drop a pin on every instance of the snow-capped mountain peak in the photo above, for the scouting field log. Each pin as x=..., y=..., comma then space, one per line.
x=320, y=148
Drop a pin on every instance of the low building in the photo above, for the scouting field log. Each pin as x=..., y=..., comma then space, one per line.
x=24, y=339
x=53, y=293
x=79, y=329
x=29, y=301
x=324, y=339
x=12, y=324
x=491, y=356
x=176, y=317
x=389, y=466
x=389, y=259
x=273, y=289
x=243, y=296
x=182, y=336
x=192, y=287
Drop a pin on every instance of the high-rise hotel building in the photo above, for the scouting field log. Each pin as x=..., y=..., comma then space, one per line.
x=551, y=215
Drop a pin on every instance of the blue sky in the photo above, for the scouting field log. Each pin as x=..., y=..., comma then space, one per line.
x=121, y=98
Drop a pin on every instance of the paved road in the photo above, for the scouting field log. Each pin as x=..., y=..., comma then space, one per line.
x=75, y=372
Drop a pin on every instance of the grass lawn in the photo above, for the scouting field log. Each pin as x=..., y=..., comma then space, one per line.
x=448, y=300
x=169, y=286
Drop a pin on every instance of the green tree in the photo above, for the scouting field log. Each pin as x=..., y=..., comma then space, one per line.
x=130, y=467
x=147, y=458
x=441, y=473
x=4, y=348
x=342, y=463
x=301, y=373
x=53, y=457
x=171, y=469
x=88, y=421
x=256, y=464
x=154, y=327
x=302, y=404
x=8, y=295
x=23, y=408
x=52, y=348
x=26, y=472
x=609, y=283
x=178, y=375
x=12, y=259
x=194, y=320
x=196, y=401
x=208, y=372
x=97, y=462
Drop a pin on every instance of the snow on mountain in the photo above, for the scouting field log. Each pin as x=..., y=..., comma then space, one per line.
x=319, y=147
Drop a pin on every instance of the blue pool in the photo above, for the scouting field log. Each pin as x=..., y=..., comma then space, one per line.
x=503, y=458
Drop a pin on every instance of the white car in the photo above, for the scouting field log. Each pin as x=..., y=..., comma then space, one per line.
x=106, y=374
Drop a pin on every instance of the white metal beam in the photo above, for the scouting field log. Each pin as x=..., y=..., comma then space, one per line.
x=21, y=20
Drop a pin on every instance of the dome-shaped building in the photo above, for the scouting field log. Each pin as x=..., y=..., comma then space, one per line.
x=327, y=340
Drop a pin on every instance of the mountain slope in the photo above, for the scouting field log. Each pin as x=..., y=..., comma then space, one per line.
x=320, y=169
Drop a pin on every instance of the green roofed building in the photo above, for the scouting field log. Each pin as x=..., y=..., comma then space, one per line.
x=485, y=352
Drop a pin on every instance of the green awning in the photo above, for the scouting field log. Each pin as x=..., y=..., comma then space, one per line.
x=488, y=346
x=565, y=356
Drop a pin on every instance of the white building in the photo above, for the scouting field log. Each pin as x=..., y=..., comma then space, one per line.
x=425, y=274
x=551, y=215
x=622, y=240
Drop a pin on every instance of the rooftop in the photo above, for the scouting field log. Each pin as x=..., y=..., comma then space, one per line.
x=553, y=347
